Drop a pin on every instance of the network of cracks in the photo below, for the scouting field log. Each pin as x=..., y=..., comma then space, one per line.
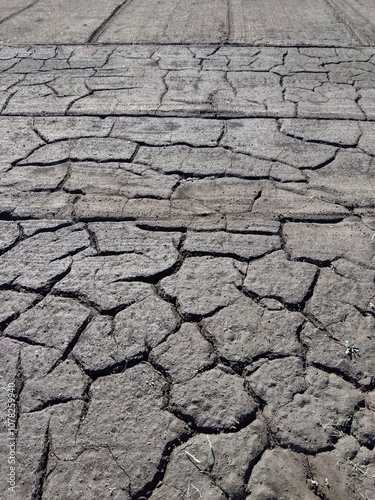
x=187, y=303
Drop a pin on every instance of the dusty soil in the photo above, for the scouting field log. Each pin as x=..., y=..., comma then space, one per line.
x=187, y=271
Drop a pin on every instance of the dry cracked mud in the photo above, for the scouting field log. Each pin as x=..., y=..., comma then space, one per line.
x=187, y=271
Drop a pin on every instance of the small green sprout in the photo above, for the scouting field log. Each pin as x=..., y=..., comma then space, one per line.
x=227, y=327
x=207, y=462
x=351, y=349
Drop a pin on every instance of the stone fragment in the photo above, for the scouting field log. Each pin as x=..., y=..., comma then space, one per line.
x=213, y=400
x=193, y=352
x=40, y=260
x=236, y=245
x=271, y=304
x=197, y=297
x=288, y=480
x=164, y=131
x=130, y=335
x=13, y=303
x=276, y=276
x=245, y=331
x=127, y=416
x=266, y=141
x=65, y=318
x=322, y=243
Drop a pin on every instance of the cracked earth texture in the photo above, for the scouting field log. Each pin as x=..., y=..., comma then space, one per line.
x=185, y=253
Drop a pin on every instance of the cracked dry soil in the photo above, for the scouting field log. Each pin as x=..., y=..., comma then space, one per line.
x=177, y=289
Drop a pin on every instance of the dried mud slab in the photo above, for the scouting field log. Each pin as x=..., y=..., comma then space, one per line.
x=139, y=431
x=213, y=400
x=195, y=297
x=245, y=332
x=192, y=350
x=214, y=466
x=112, y=342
